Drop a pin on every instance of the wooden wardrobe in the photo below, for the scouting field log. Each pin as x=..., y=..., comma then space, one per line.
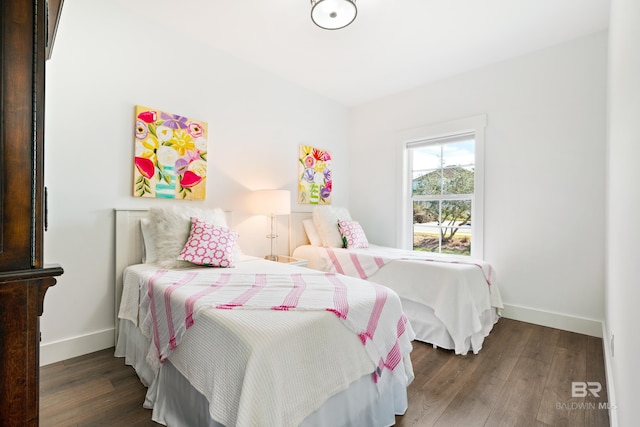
x=26, y=35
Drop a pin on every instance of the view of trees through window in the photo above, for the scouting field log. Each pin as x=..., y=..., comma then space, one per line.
x=442, y=194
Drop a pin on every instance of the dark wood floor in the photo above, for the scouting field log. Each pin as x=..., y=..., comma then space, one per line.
x=521, y=377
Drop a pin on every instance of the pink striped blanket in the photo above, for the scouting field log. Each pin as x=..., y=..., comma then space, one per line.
x=175, y=298
x=366, y=261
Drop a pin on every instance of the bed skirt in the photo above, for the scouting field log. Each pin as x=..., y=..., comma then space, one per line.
x=431, y=330
x=174, y=402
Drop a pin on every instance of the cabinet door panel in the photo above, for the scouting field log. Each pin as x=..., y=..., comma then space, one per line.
x=21, y=133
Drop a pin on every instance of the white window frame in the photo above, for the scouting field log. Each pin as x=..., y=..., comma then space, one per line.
x=475, y=125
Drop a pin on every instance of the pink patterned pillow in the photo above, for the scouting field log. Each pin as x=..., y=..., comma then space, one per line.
x=352, y=234
x=209, y=245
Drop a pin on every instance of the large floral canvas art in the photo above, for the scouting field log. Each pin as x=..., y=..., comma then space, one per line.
x=170, y=156
x=314, y=179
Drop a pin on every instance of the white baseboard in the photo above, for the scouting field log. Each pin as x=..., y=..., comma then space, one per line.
x=608, y=370
x=565, y=322
x=77, y=346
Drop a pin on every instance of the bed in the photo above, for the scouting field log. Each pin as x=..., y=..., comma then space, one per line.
x=452, y=302
x=249, y=345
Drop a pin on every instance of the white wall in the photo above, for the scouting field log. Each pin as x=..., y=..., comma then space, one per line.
x=544, y=181
x=105, y=61
x=622, y=341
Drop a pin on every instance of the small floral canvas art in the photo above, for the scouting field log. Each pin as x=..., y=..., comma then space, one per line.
x=170, y=156
x=314, y=179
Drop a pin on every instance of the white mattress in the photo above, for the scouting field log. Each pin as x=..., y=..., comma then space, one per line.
x=448, y=300
x=227, y=349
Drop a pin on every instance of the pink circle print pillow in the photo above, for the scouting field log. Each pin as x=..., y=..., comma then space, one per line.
x=209, y=245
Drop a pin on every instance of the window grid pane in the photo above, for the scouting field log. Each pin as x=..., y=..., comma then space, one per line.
x=442, y=190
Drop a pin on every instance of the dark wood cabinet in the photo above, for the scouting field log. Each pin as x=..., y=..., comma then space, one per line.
x=24, y=279
x=21, y=299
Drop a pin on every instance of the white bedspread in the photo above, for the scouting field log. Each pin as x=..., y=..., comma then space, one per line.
x=245, y=344
x=458, y=289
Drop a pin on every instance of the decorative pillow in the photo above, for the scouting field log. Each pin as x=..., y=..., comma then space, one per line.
x=148, y=242
x=352, y=234
x=325, y=218
x=170, y=228
x=209, y=245
x=312, y=233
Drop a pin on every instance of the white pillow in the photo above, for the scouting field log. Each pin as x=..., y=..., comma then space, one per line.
x=170, y=230
x=148, y=242
x=312, y=233
x=325, y=218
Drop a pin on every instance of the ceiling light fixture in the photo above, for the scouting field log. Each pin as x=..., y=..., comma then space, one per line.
x=333, y=14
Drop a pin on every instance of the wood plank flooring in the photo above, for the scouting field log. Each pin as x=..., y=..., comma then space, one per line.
x=522, y=377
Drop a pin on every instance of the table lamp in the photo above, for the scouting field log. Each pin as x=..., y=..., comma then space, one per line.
x=271, y=203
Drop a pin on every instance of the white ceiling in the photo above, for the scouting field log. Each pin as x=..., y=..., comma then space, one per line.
x=393, y=45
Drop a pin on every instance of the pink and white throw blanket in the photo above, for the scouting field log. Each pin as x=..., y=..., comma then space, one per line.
x=365, y=262
x=175, y=298
x=461, y=291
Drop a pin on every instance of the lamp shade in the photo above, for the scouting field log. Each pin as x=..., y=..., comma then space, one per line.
x=333, y=14
x=271, y=202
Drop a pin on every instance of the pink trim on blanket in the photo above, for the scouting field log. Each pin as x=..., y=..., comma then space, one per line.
x=240, y=300
x=393, y=357
x=381, y=298
x=340, y=303
x=334, y=260
x=402, y=322
x=395, y=354
x=154, y=315
x=167, y=304
x=292, y=299
x=379, y=261
x=358, y=266
x=191, y=300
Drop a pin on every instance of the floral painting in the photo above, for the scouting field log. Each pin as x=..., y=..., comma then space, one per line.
x=170, y=156
x=314, y=180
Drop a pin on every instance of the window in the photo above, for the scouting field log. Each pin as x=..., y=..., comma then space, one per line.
x=443, y=189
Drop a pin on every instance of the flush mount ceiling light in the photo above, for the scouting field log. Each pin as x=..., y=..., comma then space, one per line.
x=333, y=14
